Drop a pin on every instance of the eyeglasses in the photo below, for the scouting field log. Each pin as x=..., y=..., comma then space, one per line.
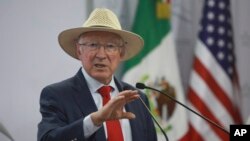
x=110, y=48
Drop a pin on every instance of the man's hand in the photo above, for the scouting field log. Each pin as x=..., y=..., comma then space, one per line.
x=114, y=108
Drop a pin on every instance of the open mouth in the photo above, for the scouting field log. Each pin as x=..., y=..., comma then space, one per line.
x=100, y=65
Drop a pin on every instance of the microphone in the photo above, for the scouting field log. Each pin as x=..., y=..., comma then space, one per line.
x=152, y=116
x=142, y=86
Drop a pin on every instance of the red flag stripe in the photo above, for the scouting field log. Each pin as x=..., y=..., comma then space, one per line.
x=207, y=59
x=204, y=110
x=224, y=82
x=191, y=135
x=220, y=94
x=205, y=93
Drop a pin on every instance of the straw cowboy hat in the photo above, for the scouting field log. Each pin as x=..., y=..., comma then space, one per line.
x=101, y=19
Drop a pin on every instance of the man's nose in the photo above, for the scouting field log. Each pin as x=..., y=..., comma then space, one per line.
x=101, y=51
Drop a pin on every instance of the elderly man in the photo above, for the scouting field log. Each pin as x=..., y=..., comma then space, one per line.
x=93, y=105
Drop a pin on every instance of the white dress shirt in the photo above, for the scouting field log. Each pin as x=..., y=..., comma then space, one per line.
x=88, y=125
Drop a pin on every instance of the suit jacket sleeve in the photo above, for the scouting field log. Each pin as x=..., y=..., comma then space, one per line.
x=55, y=125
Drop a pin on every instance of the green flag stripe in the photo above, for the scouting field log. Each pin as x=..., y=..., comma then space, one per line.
x=147, y=25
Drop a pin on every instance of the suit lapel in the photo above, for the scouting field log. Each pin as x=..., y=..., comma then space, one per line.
x=86, y=102
x=83, y=96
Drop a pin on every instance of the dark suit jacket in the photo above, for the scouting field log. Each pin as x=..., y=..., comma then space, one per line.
x=64, y=105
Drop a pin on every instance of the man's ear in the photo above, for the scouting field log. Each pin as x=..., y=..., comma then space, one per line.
x=78, y=50
x=122, y=53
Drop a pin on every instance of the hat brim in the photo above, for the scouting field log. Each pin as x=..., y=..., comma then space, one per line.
x=67, y=38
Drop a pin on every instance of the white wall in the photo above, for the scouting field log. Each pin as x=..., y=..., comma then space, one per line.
x=242, y=42
x=31, y=58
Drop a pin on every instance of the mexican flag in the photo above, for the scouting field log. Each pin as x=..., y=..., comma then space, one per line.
x=156, y=66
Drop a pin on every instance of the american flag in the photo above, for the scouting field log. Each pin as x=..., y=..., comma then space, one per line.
x=213, y=82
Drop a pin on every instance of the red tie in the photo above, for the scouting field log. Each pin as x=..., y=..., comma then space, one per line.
x=113, y=126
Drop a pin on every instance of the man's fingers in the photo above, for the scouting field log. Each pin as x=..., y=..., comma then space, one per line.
x=128, y=92
x=114, y=102
x=125, y=97
x=124, y=115
x=128, y=115
x=114, y=108
x=130, y=95
x=132, y=98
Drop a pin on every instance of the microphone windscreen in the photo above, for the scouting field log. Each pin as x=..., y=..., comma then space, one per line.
x=140, y=85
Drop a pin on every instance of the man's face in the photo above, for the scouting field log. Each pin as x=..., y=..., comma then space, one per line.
x=100, y=54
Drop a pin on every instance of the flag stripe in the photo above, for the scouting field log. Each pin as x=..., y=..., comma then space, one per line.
x=207, y=59
x=202, y=127
x=204, y=110
x=217, y=91
x=209, y=99
x=195, y=135
x=224, y=82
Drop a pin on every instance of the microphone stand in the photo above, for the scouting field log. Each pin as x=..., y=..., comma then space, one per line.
x=142, y=86
x=152, y=116
x=165, y=135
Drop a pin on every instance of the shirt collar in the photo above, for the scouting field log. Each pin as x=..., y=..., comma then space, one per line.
x=93, y=84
